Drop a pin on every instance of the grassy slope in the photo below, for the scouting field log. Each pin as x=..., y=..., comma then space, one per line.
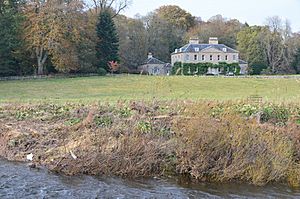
x=146, y=87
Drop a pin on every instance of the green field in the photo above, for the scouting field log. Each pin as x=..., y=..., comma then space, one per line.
x=111, y=89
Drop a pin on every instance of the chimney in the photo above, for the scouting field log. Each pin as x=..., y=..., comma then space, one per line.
x=150, y=55
x=213, y=40
x=194, y=40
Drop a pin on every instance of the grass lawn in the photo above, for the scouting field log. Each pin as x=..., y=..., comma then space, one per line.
x=110, y=89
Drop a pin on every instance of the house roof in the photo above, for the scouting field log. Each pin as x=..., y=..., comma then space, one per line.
x=153, y=60
x=242, y=62
x=190, y=48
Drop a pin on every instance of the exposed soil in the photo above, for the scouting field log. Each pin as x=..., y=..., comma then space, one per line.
x=203, y=141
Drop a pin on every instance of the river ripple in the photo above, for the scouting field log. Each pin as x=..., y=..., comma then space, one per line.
x=19, y=181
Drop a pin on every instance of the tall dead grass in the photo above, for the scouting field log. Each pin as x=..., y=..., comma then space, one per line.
x=234, y=148
x=206, y=141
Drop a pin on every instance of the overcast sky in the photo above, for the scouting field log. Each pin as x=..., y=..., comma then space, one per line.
x=252, y=11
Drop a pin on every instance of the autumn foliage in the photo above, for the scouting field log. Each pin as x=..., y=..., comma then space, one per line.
x=113, y=66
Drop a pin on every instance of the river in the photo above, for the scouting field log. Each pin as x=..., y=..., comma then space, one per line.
x=19, y=181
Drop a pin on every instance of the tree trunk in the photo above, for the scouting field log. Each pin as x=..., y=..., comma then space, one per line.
x=40, y=67
x=41, y=56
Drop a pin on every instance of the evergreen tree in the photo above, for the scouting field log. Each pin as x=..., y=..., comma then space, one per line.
x=108, y=42
x=10, y=40
x=296, y=62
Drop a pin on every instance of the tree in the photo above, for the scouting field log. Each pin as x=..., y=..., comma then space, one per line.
x=291, y=47
x=294, y=48
x=108, y=42
x=166, y=28
x=163, y=37
x=176, y=16
x=296, y=61
x=111, y=5
x=250, y=49
x=10, y=37
x=113, y=66
x=37, y=32
x=217, y=26
x=276, y=43
x=73, y=41
x=133, y=36
x=54, y=29
x=272, y=47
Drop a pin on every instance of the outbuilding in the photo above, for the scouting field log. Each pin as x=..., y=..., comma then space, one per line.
x=154, y=66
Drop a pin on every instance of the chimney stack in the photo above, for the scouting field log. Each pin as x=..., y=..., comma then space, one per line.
x=213, y=40
x=194, y=40
x=150, y=55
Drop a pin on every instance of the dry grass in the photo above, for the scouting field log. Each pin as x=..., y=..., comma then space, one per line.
x=232, y=148
x=206, y=141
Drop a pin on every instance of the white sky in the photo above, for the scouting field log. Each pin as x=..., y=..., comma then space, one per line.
x=254, y=12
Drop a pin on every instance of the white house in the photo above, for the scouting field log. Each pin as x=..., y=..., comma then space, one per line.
x=213, y=52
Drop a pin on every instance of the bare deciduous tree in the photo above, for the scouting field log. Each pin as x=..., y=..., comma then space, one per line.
x=278, y=45
x=274, y=23
x=273, y=47
x=116, y=5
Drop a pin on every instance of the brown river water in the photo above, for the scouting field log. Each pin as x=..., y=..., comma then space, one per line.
x=19, y=181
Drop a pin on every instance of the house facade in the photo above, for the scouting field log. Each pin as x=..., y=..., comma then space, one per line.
x=213, y=52
x=154, y=66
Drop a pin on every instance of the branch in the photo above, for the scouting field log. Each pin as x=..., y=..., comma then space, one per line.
x=111, y=3
x=116, y=5
x=121, y=7
x=96, y=5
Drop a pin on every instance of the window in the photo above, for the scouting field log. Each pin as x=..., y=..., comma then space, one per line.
x=203, y=57
x=196, y=49
x=226, y=57
x=195, y=57
x=234, y=57
x=187, y=57
x=224, y=49
x=219, y=57
x=210, y=57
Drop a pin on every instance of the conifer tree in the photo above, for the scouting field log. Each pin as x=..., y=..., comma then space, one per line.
x=10, y=41
x=108, y=42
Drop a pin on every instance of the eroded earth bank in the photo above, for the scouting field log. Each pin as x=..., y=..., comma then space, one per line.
x=201, y=141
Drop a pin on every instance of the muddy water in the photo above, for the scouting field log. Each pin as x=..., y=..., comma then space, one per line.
x=19, y=181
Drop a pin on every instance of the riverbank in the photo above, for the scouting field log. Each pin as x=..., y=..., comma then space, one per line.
x=203, y=141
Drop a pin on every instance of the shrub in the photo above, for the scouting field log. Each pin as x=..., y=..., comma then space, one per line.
x=275, y=114
x=101, y=71
x=248, y=109
x=124, y=69
x=232, y=148
x=125, y=112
